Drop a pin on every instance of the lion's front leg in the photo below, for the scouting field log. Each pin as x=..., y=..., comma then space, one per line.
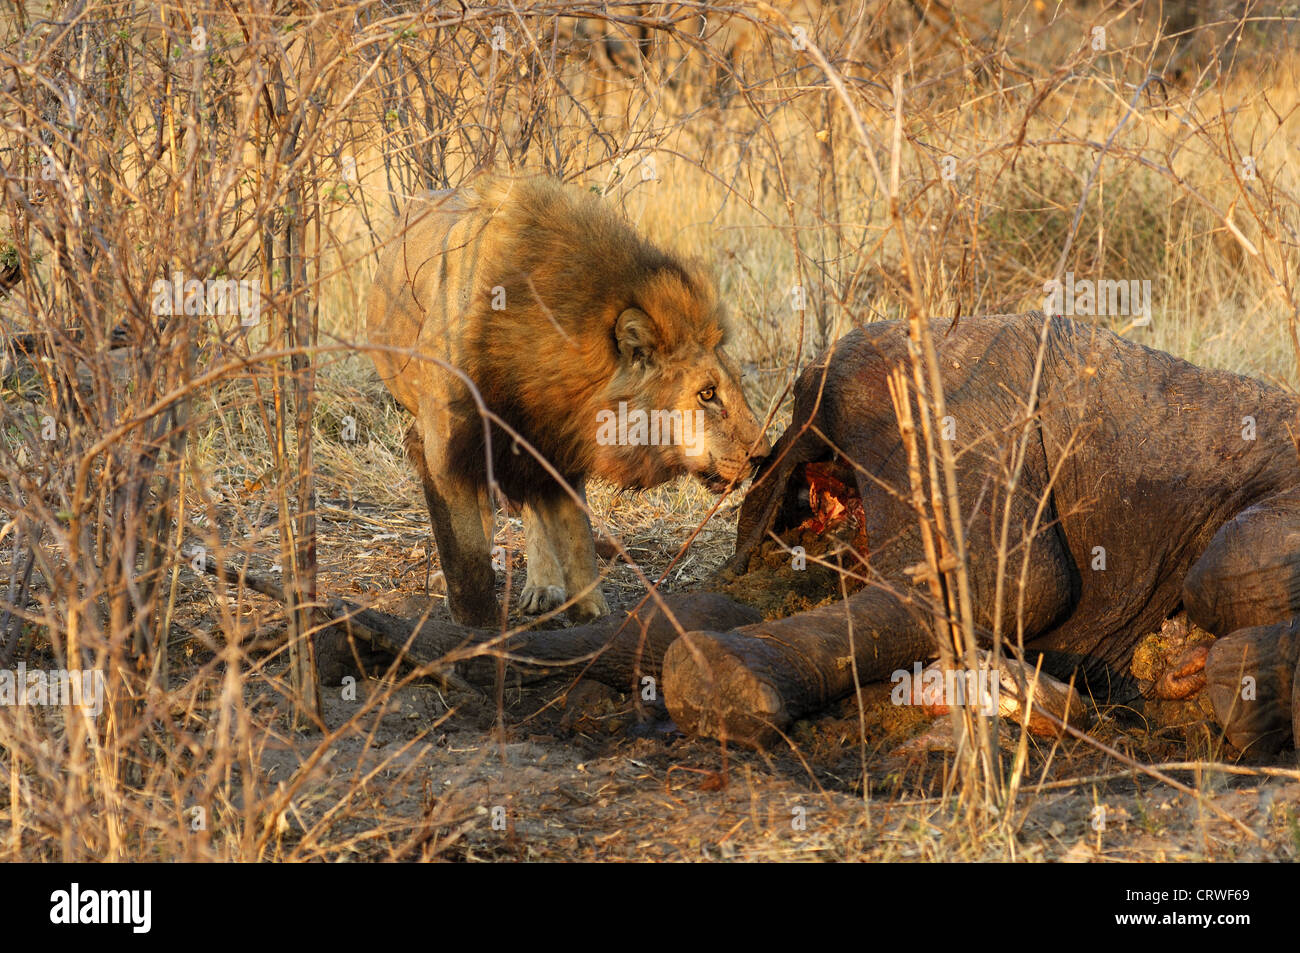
x=569, y=554
x=544, y=588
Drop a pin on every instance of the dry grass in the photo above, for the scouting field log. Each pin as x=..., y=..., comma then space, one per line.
x=1064, y=158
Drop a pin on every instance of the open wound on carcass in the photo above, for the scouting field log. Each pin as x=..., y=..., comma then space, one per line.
x=836, y=508
x=821, y=522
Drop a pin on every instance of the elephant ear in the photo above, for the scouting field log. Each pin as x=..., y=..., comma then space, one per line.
x=636, y=336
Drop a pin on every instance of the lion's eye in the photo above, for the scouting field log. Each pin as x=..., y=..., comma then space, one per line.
x=707, y=394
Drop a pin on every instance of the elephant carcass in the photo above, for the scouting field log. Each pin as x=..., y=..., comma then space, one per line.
x=1147, y=483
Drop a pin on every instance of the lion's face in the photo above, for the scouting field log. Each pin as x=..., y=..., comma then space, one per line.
x=729, y=440
x=677, y=412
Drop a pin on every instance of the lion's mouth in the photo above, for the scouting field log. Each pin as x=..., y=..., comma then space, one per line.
x=714, y=481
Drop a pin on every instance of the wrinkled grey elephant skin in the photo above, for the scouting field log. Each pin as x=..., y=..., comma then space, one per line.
x=1148, y=483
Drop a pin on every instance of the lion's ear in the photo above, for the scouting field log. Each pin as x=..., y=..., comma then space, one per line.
x=636, y=336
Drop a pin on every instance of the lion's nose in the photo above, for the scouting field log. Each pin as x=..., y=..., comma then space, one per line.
x=759, y=453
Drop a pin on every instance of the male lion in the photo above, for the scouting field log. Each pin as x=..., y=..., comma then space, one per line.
x=601, y=351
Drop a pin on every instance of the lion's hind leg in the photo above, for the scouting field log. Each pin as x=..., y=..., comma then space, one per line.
x=460, y=516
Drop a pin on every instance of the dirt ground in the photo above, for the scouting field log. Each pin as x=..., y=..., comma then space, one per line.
x=572, y=769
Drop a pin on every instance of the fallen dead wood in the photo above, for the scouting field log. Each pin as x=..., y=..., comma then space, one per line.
x=731, y=675
x=619, y=649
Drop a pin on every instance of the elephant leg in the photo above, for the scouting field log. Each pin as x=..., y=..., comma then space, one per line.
x=1245, y=589
x=1250, y=573
x=461, y=515
x=1251, y=679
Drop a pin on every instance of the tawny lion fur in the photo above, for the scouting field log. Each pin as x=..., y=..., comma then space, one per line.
x=558, y=312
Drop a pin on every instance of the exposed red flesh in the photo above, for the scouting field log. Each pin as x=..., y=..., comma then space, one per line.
x=834, y=500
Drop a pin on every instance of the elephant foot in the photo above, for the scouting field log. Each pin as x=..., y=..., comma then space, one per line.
x=1251, y=676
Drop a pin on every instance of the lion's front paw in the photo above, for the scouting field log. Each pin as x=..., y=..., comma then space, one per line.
x=591, y=606
x=535, y=599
